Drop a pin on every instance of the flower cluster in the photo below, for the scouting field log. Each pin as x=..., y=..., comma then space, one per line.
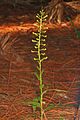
x=40, y=46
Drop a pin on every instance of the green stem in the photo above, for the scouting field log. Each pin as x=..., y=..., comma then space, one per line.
x=40, y=70
x=41, y=91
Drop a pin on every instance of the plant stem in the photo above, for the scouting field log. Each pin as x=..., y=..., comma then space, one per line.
x=40, y=70
x=41, y=56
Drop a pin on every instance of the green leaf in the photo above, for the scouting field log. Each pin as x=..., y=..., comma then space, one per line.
x=34, y=107
x=38, y=68
x=37, y=99
x=37, y=76
x=42, y=71
x=36, y=103
x=50, y=106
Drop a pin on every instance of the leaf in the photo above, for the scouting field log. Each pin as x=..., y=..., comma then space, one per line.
x=38, y=68
x=37, y=99
x=37, y=76
x=34, y=107
x=50, y=106
x=42, y=71
x=36, y=103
